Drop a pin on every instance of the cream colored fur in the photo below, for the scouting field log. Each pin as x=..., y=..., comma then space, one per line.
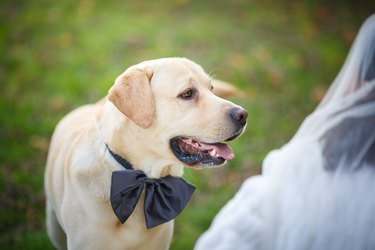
x=138, y=118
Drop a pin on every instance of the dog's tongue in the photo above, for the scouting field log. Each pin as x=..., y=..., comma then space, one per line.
x=222, y=150
x=215, y=150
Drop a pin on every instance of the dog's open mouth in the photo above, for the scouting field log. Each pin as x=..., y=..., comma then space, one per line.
x=199, y=154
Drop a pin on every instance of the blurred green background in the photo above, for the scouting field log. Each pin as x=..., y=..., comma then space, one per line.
x=57, y=55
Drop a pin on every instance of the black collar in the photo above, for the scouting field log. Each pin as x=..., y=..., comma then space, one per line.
x=123, y=162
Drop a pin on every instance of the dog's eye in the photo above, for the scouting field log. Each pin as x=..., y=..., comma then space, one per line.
x=187, y=94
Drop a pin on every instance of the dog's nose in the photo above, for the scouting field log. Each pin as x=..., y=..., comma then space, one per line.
x=238, y=115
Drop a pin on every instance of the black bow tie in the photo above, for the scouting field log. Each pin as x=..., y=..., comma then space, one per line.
x=165, y=198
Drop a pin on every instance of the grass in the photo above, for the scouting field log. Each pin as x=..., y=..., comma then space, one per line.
x=56, y=56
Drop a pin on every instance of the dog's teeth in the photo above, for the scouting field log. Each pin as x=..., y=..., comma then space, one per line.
x=213, y=153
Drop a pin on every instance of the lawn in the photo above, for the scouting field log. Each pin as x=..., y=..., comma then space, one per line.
x=57, y=55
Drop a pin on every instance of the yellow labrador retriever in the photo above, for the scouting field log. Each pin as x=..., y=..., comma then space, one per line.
x=158, y=117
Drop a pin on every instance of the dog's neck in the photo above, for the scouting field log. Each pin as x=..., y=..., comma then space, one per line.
x=122, y=161
x=156, y=171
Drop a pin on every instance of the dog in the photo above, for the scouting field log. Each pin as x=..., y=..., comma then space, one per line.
x=158, y=117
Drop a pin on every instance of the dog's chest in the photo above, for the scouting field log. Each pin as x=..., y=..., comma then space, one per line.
x=133, y=234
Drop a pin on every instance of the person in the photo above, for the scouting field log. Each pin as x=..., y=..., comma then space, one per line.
x=318, y=190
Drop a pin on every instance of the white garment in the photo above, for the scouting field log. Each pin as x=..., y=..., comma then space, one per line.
x=318, y=190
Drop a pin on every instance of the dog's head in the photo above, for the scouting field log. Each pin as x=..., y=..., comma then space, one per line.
x=176, y=113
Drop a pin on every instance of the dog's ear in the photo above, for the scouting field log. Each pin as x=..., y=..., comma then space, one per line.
x=132, y=95
x=225, y=90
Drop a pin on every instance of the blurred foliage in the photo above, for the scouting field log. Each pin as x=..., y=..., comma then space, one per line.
x=57, y=55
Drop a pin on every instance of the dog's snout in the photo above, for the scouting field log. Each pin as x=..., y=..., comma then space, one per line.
x=238, y=115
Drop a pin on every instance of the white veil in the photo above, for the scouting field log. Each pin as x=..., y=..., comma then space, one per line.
x=344, y=121
x=318, y=190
